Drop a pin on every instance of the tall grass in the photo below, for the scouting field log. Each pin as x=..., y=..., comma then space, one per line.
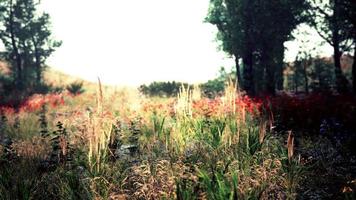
x=99, y=129
x=184, y=105
x=183, y=153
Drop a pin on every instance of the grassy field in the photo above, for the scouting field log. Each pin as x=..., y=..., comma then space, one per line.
x=118, y=144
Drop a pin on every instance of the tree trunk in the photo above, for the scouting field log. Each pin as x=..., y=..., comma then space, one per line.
x=354, y=72
x=249, y=47
x=341, y=81
x=38, y=64
x=268, y=64
x=295, y=82
x=238, y=73
x=279, y=67
x=305, y=74
x=249, y=86
x=16, y=53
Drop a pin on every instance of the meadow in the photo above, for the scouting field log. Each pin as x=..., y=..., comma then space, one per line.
x=115, y=143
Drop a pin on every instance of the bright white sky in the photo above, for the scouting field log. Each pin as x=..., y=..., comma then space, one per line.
x=130, y=42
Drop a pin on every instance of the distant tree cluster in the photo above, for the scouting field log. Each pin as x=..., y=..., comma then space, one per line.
x=211, y=88
x=216, y=86
x=307, y=75
x=164, y=89
x=25, y=33
x=254, y=32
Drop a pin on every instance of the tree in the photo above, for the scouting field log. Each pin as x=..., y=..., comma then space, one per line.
x=329, y=18
x=229, y=25
x=255, y=31
x=26, y=36
x=274, y=24
x=349, y=9
x=322, y=76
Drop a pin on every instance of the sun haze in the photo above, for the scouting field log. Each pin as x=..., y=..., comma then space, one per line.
x=136, y=41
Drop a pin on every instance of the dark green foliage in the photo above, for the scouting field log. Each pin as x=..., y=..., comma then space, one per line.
x=216, y=86
x=216, y=129
x=12, y=186
x=184, y=190
x=322, y=76
x=44, y=88
x=75, y=88
x=6, y=83
x=5, y=141
x=318, y=72
x=219, y=187
x=166, y=89
x=253, y=144
x=61, y=184
x=3, y=123
x=26, y=36
x=61, y=150
x=43, y=122
x=255, y=32
x=211, y=88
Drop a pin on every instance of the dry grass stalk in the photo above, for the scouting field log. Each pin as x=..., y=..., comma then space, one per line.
x=290, y=145
x=153, y=181
x=99, y=98
x=99, y=131
x=230, y=96
x=35, y=148
x=196, y=93
x=63, y=145
x=262, y=133
x=183, y=107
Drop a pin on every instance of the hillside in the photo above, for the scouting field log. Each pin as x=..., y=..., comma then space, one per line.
x=57, y=78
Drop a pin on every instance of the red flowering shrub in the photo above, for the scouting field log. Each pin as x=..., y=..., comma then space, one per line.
x=7, y=110
x=206, y=107
x=35, y=102
x=212, y=107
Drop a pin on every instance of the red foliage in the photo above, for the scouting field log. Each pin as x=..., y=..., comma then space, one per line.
x=212, y=107
x=35, y=102
x=206, y=107
x=7, y=110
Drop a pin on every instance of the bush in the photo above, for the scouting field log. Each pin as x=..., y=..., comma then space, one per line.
x=213, y=87
x=167, y=89
x=75, y=88
x=44, y=88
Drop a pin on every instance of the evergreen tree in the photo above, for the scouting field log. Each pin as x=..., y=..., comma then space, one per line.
x=26, y=36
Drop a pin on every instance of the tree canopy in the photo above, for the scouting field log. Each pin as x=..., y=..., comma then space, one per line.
x=254, y=31
x=26, y=35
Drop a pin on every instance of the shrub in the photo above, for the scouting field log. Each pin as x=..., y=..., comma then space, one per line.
x=216, y=87
x=213, y=87
x=75, y=88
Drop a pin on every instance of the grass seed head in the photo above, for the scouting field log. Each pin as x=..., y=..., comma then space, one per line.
x=290, y=145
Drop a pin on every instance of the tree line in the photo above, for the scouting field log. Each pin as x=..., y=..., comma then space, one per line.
x=254, y=33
